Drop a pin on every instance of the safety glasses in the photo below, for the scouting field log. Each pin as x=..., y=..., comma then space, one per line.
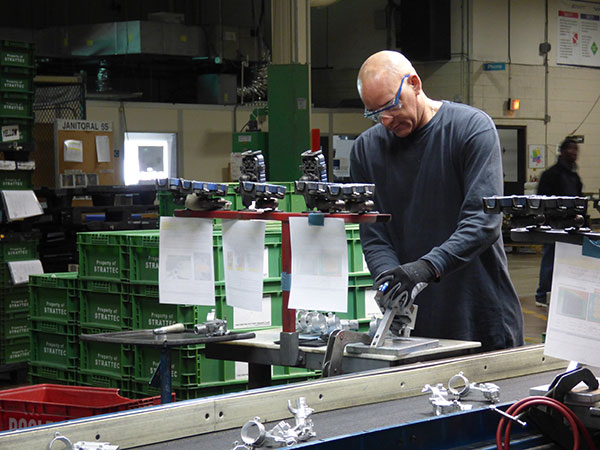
x=377, y=115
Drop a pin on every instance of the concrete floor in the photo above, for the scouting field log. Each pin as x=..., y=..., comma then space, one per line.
x=524, y=272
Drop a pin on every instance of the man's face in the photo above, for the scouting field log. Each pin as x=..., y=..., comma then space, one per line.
x=378, y=94
x=570, y=153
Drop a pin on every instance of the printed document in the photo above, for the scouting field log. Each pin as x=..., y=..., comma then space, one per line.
x=185, y=262
x=573, y=331
x=243, y=254
x=20, y=270
x=319, y=265
x=21, y=204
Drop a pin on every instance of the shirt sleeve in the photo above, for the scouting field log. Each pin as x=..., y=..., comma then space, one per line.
x=376, y=243
x=480, y=166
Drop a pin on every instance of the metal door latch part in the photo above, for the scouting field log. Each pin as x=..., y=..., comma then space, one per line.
x=254, y=434
x=508, y=416
x=490, y=391
x=215, y=327
x=255, y=192
x=319, y=324
x=441, y=404
x=81, y=445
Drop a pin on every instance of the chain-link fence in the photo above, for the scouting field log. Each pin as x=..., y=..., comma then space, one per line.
x=53, y=101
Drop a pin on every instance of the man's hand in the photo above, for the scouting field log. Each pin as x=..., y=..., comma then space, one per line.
x=403, y=283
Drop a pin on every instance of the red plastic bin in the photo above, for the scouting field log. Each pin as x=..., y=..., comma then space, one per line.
x=46, y=403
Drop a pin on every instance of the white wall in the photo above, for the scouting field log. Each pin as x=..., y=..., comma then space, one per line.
x=204, y=132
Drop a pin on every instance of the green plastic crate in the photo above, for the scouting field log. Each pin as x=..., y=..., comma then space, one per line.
x=189, y=366
x=98, y=380
x=48, y=326
x=16, y=79
x=16, y=179
x=143, y=257
x=16, y=54
x=16, y=105
x=25, y=128
x=14, y=350
x=141, y=389
x=41, y=374
x=14, y=300
x=148, y=313
x=14, y=326
x=55, y=350
x=103, y=256
x=106, y=310
x=15, y=248
x=54, y=297
x=106, y=359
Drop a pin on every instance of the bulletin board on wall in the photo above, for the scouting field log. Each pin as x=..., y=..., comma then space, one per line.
x=84, y=153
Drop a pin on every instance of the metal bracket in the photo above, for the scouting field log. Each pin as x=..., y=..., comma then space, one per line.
x=338, y=339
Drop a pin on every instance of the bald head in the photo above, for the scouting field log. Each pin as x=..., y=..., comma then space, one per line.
x=383, y=66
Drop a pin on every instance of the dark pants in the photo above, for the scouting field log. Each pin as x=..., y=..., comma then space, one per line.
x=546, y=268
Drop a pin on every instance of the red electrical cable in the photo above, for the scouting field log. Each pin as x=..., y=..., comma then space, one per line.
x=577, y=426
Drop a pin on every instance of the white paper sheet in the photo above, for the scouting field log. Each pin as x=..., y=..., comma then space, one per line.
x=243, y=255
x=73, y=150
x=20, y=270
x=102, y=149
x=573, y=331
x=319, y=265
x=185, y=263
x=243, y=318
x=21, y=204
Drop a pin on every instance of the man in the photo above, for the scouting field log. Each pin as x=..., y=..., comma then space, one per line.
x=560, y=179
x=432, y=162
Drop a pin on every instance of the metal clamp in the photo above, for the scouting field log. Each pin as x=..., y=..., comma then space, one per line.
x=255, y=435
x=490, y=391
x=440, y=403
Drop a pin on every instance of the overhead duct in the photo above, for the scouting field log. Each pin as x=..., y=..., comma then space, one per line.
x=122, y=38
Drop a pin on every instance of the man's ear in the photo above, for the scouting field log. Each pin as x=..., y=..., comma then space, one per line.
x=415, y=83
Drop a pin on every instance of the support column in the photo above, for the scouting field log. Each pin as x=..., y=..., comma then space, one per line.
x=289, y=88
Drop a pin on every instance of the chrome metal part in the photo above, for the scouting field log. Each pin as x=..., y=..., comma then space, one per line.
x=175, y=328
x=456, y=381
x=81, y=445
x=490, y=391
x=315, y=323
x=254, y=434
x=441, y=404
x=215, y=327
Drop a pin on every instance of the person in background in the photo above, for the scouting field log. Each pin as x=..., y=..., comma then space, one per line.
x=560, y=179
x=432, y=162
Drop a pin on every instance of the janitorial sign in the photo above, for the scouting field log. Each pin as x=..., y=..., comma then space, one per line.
x=578, y=33
x=83, y=125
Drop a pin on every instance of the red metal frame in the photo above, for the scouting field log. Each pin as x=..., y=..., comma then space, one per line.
x=288, y=316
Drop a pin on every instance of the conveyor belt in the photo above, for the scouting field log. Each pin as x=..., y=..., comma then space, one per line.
x=361, y=418
x=215, y=415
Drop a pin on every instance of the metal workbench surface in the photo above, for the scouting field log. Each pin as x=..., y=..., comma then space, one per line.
x=361, y=418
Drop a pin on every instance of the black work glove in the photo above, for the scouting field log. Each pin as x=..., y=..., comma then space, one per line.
x=403, y=283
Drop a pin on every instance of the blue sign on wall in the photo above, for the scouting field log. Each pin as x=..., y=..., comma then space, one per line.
x=494, y=66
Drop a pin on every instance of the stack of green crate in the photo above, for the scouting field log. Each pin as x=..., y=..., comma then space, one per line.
x=14, y=299
x=54, y=318
x=16, y=109
x=118, y=290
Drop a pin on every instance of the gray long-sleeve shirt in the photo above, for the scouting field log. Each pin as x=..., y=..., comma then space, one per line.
x=432, y=182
